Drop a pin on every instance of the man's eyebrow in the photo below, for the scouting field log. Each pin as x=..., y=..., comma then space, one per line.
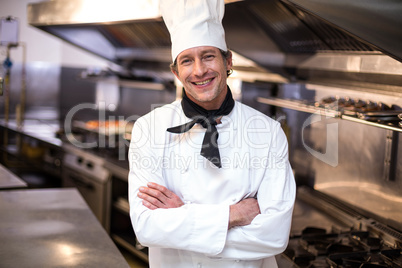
x=208, y=51
x=184, y=56
x=203, y=52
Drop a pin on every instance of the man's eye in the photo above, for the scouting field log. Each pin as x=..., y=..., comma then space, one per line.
x=185, y=62
x=209, y=57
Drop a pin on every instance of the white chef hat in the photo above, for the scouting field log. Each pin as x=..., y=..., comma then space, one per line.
x=194, y=23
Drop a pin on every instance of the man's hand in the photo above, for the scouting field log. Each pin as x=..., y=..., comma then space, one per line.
x=243, y=212
x=157, y=196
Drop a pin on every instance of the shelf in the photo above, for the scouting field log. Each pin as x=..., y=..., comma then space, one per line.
x=299, y=106
x=309, y=108
x=122, y=205
x=134, y=84
x=131, y=245
x=375, y=124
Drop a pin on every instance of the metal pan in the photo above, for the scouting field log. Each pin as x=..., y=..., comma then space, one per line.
x=383, y=116
x=383, y=113
x=379, y=118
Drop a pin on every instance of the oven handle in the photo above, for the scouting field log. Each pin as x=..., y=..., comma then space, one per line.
x=81, y=183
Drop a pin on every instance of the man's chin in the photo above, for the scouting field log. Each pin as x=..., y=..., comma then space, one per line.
x=202, y=95
x=205, y=98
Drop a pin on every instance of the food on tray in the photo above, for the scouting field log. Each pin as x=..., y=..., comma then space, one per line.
x=109, y=126
x=94, y=124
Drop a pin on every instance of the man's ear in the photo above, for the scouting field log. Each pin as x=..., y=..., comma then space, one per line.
x=229, y=61
x=175, y=74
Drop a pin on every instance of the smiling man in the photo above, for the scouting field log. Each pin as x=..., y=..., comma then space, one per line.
x=203, y=73
x=210, y=184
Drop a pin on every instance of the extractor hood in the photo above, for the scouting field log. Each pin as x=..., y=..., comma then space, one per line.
x=322, y=41
x=298, y=39
x=118, y=30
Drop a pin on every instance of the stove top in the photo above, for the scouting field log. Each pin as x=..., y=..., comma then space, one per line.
x=328, y=233
x=316, y=247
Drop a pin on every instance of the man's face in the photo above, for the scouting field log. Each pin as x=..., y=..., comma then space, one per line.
x=203, y=73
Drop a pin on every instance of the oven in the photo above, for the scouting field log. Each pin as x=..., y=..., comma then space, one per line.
x=85, y=171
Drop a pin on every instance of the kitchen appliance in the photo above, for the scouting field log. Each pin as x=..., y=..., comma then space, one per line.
x=105, y=138
x=328, y=233
x=85, y=171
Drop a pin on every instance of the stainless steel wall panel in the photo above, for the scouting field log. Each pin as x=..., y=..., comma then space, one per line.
x=42, y=90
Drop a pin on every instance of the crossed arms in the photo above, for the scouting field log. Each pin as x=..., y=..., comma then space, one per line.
x=243, y=218
x=157, y=196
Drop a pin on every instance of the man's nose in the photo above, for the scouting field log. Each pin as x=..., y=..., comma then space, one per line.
x=199, y=68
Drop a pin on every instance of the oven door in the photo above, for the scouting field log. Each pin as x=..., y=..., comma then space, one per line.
x=95, y=193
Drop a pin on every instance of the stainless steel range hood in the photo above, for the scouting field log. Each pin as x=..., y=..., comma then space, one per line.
x=322, y=41
x=298, y=39
x=118, y=30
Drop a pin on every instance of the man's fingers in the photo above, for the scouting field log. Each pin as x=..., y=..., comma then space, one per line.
x=153, y=192
x=151, y=199
x=159, y=196
x=161, y=189
x=149, y=205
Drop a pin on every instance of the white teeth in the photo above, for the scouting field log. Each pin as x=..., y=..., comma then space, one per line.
x=203, y=82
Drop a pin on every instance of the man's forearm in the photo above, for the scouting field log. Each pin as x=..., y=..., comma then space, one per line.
x=243, y=212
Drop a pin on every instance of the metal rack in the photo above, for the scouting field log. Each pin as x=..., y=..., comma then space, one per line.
x=392, y=140
x=310, y=108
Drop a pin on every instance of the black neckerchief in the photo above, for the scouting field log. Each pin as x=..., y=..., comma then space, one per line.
x=207, y=118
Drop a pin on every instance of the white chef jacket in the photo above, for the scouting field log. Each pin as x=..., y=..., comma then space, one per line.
x=254, y=154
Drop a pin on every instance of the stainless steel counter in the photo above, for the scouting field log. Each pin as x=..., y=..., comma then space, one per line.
x=10, y=181
x=43, y=130
x=52, y=228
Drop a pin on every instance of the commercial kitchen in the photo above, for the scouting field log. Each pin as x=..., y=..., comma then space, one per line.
x=76, y=74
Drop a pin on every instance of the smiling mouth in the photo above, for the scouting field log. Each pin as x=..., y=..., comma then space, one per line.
x=203, y=82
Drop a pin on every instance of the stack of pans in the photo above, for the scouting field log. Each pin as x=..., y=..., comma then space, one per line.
x=366, y=110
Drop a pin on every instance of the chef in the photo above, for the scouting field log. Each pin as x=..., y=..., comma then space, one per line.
x=210, y=184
